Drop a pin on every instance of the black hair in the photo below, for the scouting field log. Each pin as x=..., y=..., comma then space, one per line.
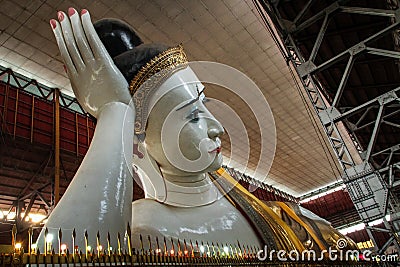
x=125, y=46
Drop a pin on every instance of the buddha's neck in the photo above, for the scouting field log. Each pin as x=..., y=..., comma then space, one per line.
x=190, y=191
x=187, y=180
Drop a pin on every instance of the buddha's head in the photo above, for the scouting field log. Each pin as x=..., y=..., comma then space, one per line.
x=172, y=120
x=181, y=133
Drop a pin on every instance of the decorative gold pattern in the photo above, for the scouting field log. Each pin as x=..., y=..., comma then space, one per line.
x=141, y=97
x=284, y=237
x=168, y=59
x=150, y=77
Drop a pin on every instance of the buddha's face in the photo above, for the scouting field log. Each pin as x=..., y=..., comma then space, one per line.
x=183, y=138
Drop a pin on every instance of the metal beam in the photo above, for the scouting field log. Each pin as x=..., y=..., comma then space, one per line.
x=320, y=37
x=303, y=11
x=372, y=122
x=388, y=160
x=386, y=98
x=378, y=229
x=369, y=11
x=328, y=10
x=30, y=182
x=374, y=133
x=56, y=146
x=386, y=245
x=363, y=116
x=354, y=50
x=387, y=167
x=48, y=205
x=391, y=124
x=391, y=176
x=343, y=81
x=383, y=52
x=29, y=207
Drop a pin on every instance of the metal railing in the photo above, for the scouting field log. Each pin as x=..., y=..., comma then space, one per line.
x=151, y=252
x=123, y=259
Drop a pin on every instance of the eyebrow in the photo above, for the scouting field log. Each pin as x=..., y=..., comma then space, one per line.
x=194, y=99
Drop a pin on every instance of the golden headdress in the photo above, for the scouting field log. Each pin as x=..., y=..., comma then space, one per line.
x=150, y=77
x=169, y=59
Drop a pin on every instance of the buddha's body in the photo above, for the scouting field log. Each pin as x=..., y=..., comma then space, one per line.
x=217, y=222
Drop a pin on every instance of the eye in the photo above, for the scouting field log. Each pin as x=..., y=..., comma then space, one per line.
x=194, y=120
x=194, y=115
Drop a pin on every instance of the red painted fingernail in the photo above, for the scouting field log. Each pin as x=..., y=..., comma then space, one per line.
x=71, y=11
x=84, y=11
x=60, y=16
x=53, y=23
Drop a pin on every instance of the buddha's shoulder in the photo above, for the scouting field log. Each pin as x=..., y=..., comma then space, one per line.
x=145, y=216
x=147, y=207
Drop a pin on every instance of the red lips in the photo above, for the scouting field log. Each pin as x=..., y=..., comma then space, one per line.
x=217, y=150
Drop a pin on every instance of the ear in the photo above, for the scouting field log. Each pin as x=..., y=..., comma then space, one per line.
x=149, y=174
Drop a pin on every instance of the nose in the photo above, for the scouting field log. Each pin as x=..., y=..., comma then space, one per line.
x=215, y=128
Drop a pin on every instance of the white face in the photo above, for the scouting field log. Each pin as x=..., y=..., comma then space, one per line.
x=184, y=139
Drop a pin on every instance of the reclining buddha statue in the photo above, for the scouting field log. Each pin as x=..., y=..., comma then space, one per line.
x=149, y=95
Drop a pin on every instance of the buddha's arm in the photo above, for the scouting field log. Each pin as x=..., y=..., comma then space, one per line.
x=100, y=194
x=99, y=198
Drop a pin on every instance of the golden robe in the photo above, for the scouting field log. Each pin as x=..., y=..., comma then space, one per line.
x=280, y=225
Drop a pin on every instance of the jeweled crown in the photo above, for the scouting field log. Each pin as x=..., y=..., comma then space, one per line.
x=167, y=60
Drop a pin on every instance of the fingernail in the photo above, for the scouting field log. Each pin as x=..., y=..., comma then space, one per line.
x=84, y=11
x=71, y=11
x=60, y=16
x=53, y=23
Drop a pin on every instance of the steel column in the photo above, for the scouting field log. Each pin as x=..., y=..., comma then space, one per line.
x=57, y=146
x=32, y=118
x=374, y=133
x=343, y=81
x=16, y=113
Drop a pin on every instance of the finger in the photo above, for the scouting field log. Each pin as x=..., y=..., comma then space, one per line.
x=94, y=41
x=70, y=41
x=62, y=47
x=80, y=37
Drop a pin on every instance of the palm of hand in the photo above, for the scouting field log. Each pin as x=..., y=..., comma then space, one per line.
x=99, y=84
x=95, y=79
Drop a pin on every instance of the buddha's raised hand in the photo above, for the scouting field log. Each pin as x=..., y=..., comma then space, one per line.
x=95, y=79
x=99, y=197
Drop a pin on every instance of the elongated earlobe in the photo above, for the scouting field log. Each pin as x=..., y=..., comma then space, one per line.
x=141, y=137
